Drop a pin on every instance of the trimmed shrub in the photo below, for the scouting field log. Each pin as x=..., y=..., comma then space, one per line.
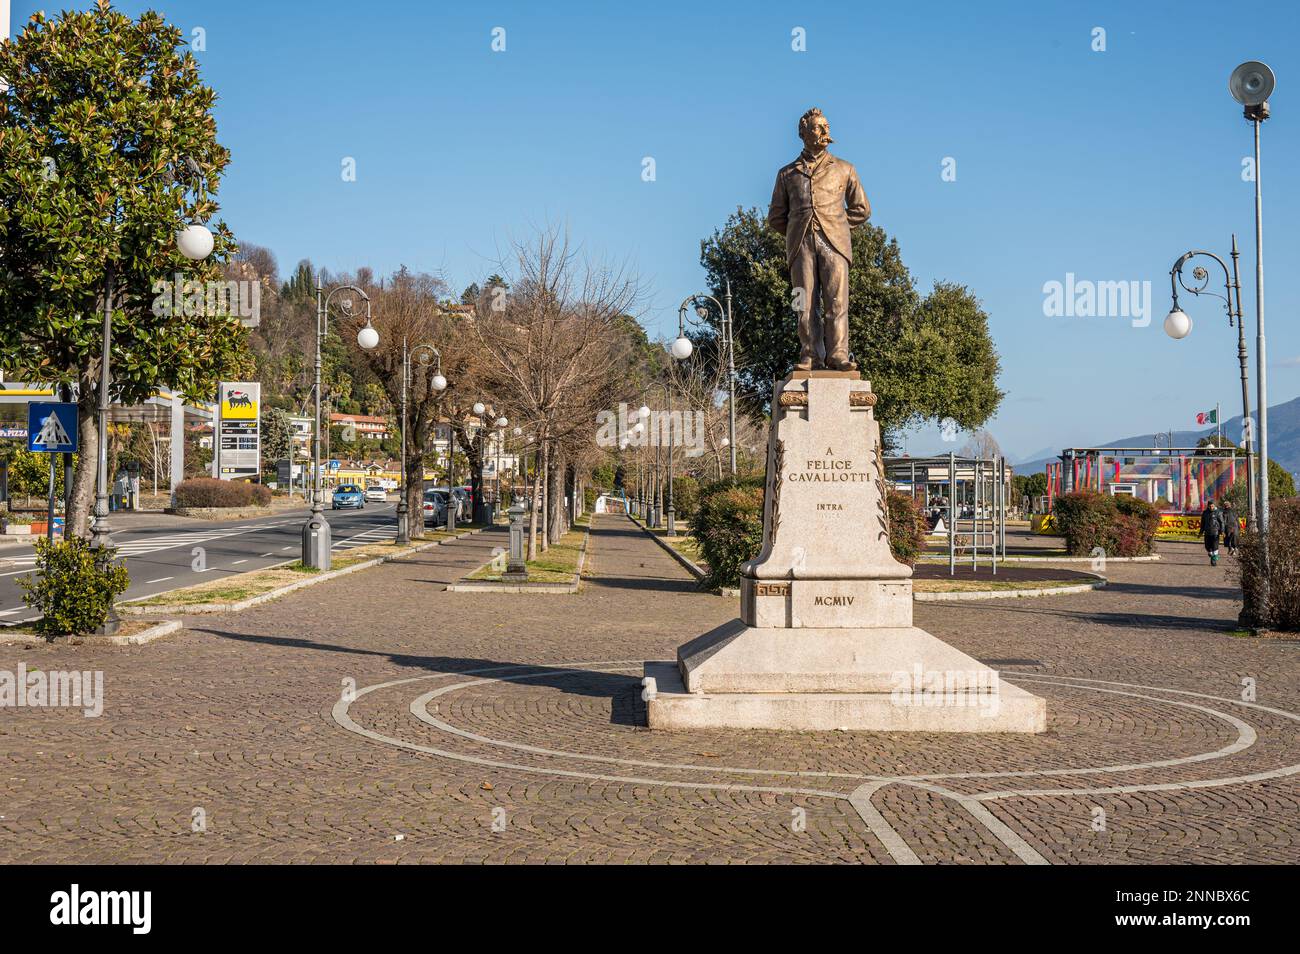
x=728, y=526
x=1282, y=609
x=1086, y=519
x=1120, y=526
x=1135, y=528
x=74, y=586
x=210, y=492
x=908, y=527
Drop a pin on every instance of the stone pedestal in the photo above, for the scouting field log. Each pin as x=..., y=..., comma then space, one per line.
x=825, y=637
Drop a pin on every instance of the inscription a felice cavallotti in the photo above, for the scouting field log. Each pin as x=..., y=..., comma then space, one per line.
x=828, y=470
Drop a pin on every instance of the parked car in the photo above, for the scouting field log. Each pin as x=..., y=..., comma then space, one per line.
x=464, y=510
x=348, y=496
x=435, y=508
x=464, y=504
x=376, y=494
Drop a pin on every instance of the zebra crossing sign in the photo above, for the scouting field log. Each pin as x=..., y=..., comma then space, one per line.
x=52, y=427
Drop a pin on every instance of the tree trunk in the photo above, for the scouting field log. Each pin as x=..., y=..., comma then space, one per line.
x=413, y=488
x=532, y=517
x=544, y=481
x=556, y=518
x=83, y=482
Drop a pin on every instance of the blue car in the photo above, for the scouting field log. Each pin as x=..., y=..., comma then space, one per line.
x=348, y=496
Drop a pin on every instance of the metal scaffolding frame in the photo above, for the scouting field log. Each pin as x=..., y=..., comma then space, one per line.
x=969, y=494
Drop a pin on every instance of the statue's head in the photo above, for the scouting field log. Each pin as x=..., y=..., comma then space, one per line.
x=815, y=130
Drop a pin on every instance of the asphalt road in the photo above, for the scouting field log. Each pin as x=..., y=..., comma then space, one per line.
x=168, y=557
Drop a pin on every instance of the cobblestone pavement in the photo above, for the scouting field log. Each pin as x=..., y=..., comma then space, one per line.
x=498, y=727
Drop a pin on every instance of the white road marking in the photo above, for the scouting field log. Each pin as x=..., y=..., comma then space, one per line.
x=9, y=612
x=161, y=579
x=237, y=562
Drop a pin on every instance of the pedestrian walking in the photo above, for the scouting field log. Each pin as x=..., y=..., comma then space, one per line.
x=1210, y=530
x=1231, y=523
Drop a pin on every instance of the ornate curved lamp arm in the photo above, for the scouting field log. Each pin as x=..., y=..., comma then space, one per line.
x=697, y=301
x=423, y=351
x=345, y=307
x=1201, y=278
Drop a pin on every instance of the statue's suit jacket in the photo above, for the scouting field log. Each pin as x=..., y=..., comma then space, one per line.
x=831, y=186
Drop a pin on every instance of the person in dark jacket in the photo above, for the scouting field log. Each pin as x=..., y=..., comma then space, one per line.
x=1228, y=517
x=1210, y=529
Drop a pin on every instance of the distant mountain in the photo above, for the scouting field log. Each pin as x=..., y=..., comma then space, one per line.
x=1283, y=439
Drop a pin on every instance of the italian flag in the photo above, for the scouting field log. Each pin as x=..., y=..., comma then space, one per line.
x=1208, y=417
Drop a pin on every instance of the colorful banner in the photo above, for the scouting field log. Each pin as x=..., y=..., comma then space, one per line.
x=1178, y=524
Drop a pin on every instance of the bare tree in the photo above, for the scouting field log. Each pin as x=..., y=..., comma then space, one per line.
x=981, y=444
x=554, y=349
x=405, y=309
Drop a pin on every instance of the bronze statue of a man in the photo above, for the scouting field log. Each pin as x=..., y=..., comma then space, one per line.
x=816, y=202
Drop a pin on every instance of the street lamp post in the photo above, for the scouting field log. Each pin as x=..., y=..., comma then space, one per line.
x=682, y=349
x=195, y=242
x=438, y=383
x=1251, y=84
x=638, y=504
x=1178, y=325
x=316, y=531
x=452, y=502
x=659, y=506
x=501, y=424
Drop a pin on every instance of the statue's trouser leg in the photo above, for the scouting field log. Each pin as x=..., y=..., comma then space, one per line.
x=833, y=279
x=803, y=278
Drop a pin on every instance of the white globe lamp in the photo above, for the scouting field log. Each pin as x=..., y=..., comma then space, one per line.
x=1177, y=324
x=368, y=338
x=195, y=242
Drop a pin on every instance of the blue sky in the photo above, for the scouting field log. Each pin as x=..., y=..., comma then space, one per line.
x=1106, y=165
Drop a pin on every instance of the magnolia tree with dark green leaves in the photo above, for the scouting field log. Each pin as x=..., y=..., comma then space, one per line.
x=107, y=148
x=928, y=358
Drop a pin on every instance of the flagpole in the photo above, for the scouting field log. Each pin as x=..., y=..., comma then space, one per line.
x=1218, y=424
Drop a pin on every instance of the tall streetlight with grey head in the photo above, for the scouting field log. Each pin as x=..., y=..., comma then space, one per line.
x=1251, y=84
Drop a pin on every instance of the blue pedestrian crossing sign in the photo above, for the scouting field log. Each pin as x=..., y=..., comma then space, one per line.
x=52, y=427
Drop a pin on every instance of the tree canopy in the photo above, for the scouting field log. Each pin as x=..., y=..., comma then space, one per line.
x=107, y=149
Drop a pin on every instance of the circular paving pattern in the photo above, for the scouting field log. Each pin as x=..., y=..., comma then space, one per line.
x=583, y=721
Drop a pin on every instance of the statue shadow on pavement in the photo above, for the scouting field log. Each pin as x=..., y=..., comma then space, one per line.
x=623, y=691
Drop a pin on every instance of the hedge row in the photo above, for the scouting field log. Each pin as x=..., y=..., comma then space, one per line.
x=209, y=492
x=1116, y=525
x=728, y=526
x=1278, y=603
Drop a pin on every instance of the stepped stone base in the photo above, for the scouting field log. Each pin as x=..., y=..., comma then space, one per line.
x=670, y=706
x=825, y=637
x=881, y=679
